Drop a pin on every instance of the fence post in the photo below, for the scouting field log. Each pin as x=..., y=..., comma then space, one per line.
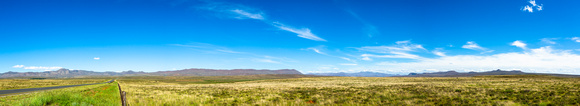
x=124, y=100
x=122, y=94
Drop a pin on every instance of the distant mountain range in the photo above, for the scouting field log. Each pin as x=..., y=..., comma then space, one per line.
x=59, y=73
x=66, y=73
x=212, y=72
x=438, y=74
x=469, y=74
x=358, y=74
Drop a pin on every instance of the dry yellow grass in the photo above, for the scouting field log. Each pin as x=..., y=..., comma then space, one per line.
x=502, y=90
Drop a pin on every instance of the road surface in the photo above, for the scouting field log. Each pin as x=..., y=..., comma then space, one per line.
x=13, y=91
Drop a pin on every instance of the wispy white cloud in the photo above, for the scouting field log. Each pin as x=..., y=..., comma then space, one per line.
x=304, y=32
x=266, y=61
x=41, y=68
x=317, y=49
x=473, y=46
x=36, y=67
x=387, y=49
x=96, y=58
x=348, y=64
x=533, y=2
x=269, y=59
x=347, y=59
x=366, y=58
x=400, y=50
x=549, y=40
x=519, y=44
x=243, y=12
x=544, y=59
x=403, y=42
x=394, y=55
x=576, y=39
x=438, y=52
x=18, y=66
x=272, y=59
x=530, y=9
x=322, y=49
x=401, y=46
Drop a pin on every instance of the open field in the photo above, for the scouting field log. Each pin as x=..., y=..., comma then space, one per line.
x=308, y=90
x=204, y=79
x=487, y=90
x=35, y=83
x=92, y=95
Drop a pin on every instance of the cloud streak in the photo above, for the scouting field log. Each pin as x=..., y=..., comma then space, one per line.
x=266, y=61
x=348, y=64
x=304, y=32
x=519, y=44
x=406, y=46
x=576, y=39
x=243, y=12
x=18, y=66
x=474, y=46
x=438, y=52
x=317, y=50
x=394, y=55
x=36, y=67
x=400, y=50
x=549, y=40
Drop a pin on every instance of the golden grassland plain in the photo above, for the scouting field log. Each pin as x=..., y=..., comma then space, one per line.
x=106, y=94
x=6, y=84
x=483, y=90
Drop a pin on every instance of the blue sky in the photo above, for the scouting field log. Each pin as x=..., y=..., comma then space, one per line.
x=391, y=36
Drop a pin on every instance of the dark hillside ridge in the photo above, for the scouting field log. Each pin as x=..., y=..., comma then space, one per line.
x=66, y=73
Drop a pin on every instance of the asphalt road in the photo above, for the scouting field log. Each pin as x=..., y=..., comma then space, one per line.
x=13, y=91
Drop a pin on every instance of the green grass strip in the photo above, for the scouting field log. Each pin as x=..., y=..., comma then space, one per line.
x=91, y=95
